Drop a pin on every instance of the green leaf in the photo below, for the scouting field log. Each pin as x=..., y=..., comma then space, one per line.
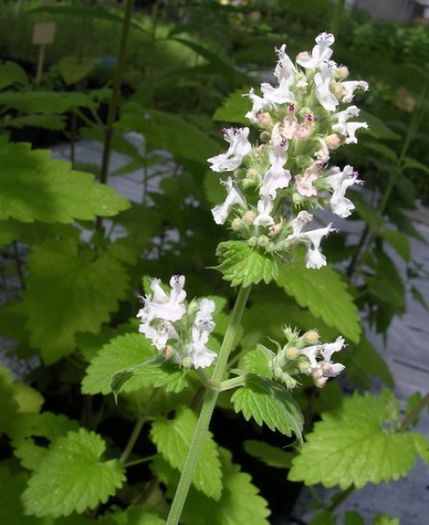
x=172, y=438
x=167, y=131
x=46, y=102
x=11, y=73
x=72, y=477
x=136, y=515
x=131, y=356
x=381, y=149
x=356, y=445
x=323, y=518
x=52, y=122
x=271, y=456
x=384, y=519
x=363, y=363
x=11, y=511
x=377, y=128
x=353, y=518
x=27, y=426
x=69, y=291
x=234, y=108
x=398, y=241
x=258, y=361
x=268, y=403
x=242, y=264
x=240, y=501
x=73, y=69
x=35, y=186
x=324, y=293
x=121, y=353
x=415, y=165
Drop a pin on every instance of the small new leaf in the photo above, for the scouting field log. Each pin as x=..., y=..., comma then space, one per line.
x=72, y=477
x=271, y=456
x=355, y=445
x=268, y=403
x=173, y=438
x=242, y=264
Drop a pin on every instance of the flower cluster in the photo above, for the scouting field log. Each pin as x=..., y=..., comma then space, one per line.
x=178, y=330
x=273, y=185
x=305, y=354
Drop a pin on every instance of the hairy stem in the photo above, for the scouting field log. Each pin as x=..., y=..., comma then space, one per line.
x=113, y=105
x=200, y=432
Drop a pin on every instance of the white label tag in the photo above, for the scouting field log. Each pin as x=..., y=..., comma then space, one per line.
x=44, y=33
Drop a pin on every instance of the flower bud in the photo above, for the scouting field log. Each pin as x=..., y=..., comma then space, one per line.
x=237, y=224
x=333, y=141
x=303, y=55
x=292, y=352
x=253, y=241
x=304, y=367
x=303, y=161
x=320, y=382
x=275, y=229
x=342, y=72
x=297, y=198
x=248, y=217
x=186, y=362
x=265, y=120
x=263, y=241
x=337, y=89
x=311, y=337
x=168, y=352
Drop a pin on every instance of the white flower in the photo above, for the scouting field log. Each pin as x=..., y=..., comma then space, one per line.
x=301, y=220
x=339, y=181
x=160, y=334
x=311, y=352
x=348, y=129
x=161, y=305
x=350, y=87
x=199, y=354
x=276, y=177
x=330, y=369
x=285, y=68
x=314, y=258
x=321, y=52
x=259, y=104
x=278, y=95
x=238, y=149
x=221, y=211
x=265, y=207
x=323, y=80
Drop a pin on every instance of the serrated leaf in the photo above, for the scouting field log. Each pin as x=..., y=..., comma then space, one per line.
x=242, y=264
x=234, y=108
x=72, y=477
x=355, y=445
x=171, y=132
x=47, y=102
x=33, y=186
x=77, y=294
x=27, y=426
x=268, y=403
x=120, y=353
x=240, y=501
x=258, y=361
x=172, y=438
x=325, y=294
x=131, y=355
x=271, y=456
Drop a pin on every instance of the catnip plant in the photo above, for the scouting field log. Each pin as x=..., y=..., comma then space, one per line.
x=273, y=187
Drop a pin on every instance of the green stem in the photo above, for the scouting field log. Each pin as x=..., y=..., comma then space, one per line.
x=140, y=461
x=210, y=398
x=229, y=384
x=113, y=106
x=133, y=438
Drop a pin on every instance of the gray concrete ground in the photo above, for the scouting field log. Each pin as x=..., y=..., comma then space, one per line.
x=406, y=351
